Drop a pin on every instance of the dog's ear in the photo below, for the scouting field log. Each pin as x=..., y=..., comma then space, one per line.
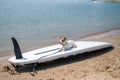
x=65, y=38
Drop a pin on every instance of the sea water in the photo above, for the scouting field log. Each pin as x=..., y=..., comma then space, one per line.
x=36, y=23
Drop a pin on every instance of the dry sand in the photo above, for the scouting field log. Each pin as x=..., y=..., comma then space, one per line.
x=99, y=65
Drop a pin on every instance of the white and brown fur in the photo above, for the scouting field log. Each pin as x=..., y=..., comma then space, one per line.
x=66, y=44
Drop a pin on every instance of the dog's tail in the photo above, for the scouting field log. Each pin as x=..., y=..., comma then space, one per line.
x=17, y=50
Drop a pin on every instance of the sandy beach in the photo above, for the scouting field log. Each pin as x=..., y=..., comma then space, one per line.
x=99, y=65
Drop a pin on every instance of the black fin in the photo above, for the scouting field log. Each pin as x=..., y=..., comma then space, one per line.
x=17, y=50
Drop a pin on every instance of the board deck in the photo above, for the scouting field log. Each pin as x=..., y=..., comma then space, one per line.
x=52, y=52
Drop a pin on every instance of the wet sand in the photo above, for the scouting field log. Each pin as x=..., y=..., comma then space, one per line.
x=99, y=65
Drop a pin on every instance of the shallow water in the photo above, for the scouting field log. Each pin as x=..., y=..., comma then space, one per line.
x=37, y=23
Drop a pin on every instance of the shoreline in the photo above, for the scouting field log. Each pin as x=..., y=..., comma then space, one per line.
x=108, y=0
x=101, y=34
x=91, y=37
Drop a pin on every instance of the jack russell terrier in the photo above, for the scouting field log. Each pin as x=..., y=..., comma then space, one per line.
x=66, y=44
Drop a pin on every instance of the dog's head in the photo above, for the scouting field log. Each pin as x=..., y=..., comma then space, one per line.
x=62, y=39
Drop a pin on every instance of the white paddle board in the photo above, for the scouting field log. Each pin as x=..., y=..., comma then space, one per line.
x=52, y=52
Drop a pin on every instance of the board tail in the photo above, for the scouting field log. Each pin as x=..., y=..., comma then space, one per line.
x=17, y=50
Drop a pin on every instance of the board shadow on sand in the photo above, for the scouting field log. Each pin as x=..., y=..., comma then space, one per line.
x=65, y=61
